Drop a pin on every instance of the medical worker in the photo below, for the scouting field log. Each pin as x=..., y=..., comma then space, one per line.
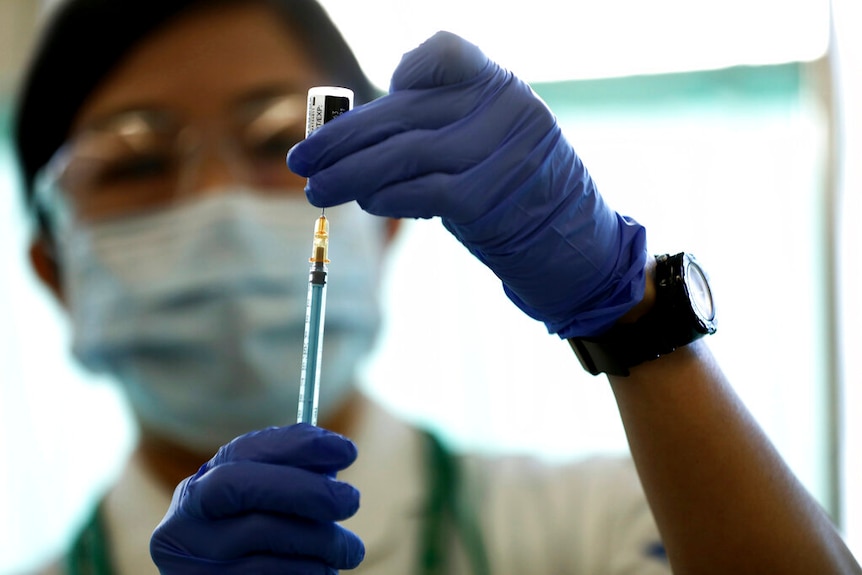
x=152, y=137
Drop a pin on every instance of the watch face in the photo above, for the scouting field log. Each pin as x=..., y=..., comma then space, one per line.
x=699, y=292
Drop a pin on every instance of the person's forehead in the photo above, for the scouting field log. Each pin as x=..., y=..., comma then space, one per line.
x=204, y=61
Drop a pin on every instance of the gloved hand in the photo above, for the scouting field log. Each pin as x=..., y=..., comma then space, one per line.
x=266, y=503
x=461, y=138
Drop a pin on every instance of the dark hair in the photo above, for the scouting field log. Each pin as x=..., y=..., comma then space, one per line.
x=83, y=40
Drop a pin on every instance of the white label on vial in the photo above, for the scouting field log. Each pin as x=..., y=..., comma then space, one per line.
x=326, y=103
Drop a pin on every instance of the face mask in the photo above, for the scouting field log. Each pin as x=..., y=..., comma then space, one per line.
x=199, y=311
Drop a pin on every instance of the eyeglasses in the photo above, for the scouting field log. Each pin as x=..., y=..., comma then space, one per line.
x=143, y=160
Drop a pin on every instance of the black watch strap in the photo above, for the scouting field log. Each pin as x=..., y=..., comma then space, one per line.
x=673, y=321
x=619, y=349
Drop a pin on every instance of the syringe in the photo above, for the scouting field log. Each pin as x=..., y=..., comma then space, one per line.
x=324, y=104
x=315, y=311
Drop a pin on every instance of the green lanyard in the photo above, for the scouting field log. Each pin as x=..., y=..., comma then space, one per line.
x=89, y=553
x=445, y=509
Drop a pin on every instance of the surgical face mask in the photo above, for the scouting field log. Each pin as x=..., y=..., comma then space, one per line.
x=199, y=310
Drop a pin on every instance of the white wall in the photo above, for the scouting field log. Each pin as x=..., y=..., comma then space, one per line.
x=548, y=40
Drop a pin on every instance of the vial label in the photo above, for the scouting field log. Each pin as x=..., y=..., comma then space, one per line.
x=324, y=104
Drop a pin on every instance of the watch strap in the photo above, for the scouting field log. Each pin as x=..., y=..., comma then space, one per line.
x=620, y=348
x=669, y=324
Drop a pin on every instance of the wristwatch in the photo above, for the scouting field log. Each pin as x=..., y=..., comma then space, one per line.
x=683, y=312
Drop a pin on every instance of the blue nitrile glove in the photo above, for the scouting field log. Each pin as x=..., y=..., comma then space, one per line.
x=266, y=503
x=461, y=138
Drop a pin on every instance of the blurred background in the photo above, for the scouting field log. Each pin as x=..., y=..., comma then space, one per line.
x=730, y=129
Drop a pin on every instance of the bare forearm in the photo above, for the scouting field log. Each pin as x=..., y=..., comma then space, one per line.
x=724, y=500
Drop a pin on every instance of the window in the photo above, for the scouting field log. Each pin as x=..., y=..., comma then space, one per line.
x=848, y=20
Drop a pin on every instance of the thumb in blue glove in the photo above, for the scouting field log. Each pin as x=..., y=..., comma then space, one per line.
x=462, y=138
x=268, y=502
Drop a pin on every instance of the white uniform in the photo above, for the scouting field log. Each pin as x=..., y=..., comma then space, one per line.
x=586, y=518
